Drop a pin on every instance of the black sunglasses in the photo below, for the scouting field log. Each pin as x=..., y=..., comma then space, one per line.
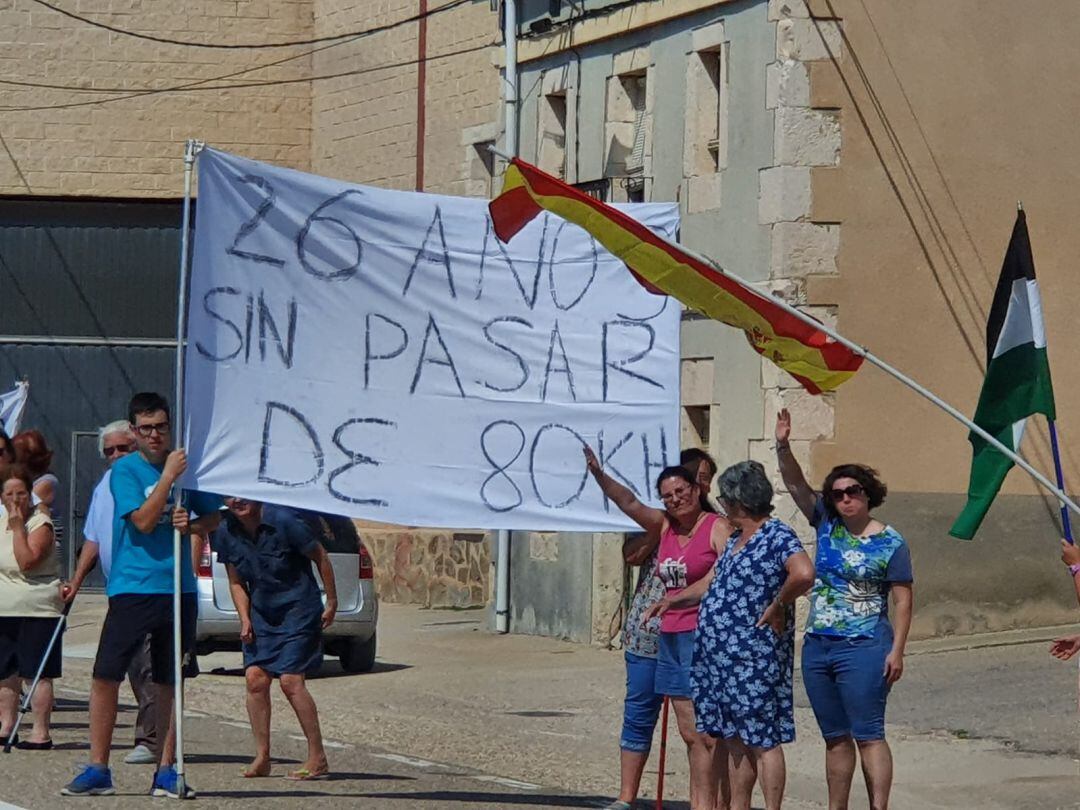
x=115, y=449
x=854, y=491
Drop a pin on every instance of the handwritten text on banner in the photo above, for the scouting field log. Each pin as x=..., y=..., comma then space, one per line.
x=381, y=354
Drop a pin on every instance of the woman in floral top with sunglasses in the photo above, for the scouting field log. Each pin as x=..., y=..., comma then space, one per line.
x=852, y=653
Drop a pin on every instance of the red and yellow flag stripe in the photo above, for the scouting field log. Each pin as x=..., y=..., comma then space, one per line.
x=817, y=361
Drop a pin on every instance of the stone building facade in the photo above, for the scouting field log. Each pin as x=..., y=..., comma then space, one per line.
x=815, y=148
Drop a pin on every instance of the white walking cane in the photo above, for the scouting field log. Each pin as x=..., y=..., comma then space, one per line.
x=25, y=707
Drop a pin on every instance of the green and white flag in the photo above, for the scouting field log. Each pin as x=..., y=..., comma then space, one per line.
x=1017, y=381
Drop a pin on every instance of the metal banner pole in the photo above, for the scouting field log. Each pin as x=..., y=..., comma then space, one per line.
x=867, y=355
x=1066, y=525
x=510, y=100
x=191, y=150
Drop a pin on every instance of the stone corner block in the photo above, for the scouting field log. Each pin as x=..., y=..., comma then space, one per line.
x=783, y=194
x=803, y=248
x=788, y=9
x=808, y=39
x=812, y=416
x=772, y=376
x=806, y=137
x=787, y=84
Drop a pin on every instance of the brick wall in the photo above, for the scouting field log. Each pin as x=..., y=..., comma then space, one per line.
x=359, y=127
x=364, y=126
x=132, y=147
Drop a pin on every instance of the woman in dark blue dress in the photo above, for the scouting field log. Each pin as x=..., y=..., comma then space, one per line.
x=268, y=552
x=744, y=647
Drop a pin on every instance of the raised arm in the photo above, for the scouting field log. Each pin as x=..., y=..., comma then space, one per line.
x=30, y=546
x=648, y=518
x=794, y=479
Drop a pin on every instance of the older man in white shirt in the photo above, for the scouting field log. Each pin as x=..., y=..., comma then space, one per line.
x=115, y=441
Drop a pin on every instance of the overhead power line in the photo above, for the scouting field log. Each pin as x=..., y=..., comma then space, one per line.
x=205, y=83
x=186, y=85
x=256, y=45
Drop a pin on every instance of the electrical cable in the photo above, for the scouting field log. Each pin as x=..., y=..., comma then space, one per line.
x=77, y=89
x=574, y=19
x=254, y=46
x=242, y=85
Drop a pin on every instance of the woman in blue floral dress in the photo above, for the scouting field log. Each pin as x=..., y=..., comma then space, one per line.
x=852, y=653
x=741, y=678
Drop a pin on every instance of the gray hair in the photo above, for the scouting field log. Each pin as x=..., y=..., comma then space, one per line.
x=745, y=484
x=119, y=426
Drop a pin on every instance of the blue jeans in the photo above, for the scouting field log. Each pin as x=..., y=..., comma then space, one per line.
x=642, y=704
x=845, y=681
x=673, y=664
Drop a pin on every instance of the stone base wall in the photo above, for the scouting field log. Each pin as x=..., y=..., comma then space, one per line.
x=429, y=567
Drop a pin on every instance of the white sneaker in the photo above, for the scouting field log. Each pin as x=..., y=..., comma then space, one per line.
x=140, y=755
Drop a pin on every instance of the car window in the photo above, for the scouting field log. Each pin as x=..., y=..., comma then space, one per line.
x=337, y=534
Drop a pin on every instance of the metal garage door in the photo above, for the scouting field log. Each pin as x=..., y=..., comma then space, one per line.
x=88, y=315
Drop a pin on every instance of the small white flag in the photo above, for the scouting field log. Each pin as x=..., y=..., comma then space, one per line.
x=11, y=407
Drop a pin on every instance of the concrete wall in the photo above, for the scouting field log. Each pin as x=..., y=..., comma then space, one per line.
x=567, y=585
x=949, y=113
x=721, y=216
x=133, y=147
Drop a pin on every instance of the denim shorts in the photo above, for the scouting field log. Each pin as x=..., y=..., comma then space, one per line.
x=845, y=681
x=642, y=704
x=673, y=664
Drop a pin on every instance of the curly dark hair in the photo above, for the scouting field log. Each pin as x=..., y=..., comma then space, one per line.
x=32, y=451
x=867, y=478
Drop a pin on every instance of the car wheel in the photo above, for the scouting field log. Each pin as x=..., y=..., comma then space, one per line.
x=358, y=656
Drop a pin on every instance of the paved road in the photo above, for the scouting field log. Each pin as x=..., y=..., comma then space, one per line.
x=1018, y=694
x=220, y=751
x=454, y=717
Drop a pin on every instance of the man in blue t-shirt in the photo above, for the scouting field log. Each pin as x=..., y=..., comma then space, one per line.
x=140, y=590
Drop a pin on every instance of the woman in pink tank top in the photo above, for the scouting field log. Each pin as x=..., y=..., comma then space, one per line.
x=689, y=539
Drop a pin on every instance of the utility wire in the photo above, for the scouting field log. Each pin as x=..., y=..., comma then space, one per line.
x=257, y=45
x=240, y=85
x=185, y=86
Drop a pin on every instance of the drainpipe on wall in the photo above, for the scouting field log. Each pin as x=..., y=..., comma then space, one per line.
x=510, y=98
x=421, y=93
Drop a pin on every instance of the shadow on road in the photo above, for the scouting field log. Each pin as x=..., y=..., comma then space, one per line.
x=330, y=670
x=209, y=759
x=508, y=799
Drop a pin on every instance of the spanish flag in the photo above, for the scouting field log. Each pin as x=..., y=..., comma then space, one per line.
x=818, y=362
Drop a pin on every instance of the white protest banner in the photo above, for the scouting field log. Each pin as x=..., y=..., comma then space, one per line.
x=12, y=405
x=380, y=354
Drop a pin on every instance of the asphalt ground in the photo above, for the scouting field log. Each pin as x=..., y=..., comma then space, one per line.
x=455, y=717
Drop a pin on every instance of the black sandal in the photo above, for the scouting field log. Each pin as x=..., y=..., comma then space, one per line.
x=35, y=746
